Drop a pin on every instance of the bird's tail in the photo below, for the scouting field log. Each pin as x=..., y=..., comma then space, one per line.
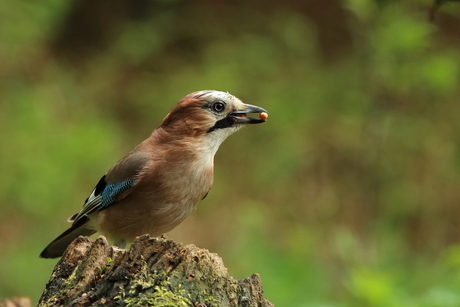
x=58, y=246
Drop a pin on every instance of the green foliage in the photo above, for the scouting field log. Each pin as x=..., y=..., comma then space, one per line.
x=347, y=196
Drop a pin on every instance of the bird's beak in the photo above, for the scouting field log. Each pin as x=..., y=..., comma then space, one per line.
x=241, y=116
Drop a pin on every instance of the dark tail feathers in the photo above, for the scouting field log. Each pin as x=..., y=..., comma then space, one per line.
x=58, y=246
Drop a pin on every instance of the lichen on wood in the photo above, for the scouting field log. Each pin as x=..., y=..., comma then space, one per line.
x=153, y=272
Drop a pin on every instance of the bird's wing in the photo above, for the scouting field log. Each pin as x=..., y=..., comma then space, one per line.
x=119, y=182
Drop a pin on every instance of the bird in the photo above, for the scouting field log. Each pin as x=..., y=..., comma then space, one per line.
x=156, y=185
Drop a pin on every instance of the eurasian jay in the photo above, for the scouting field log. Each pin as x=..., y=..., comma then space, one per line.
x=156, y=185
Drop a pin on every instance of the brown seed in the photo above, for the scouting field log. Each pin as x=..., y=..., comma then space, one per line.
x=263, y=115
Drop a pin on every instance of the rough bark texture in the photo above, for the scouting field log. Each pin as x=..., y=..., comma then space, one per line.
x=153, y=272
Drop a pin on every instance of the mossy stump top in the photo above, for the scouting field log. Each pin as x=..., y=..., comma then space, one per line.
x=153, y=272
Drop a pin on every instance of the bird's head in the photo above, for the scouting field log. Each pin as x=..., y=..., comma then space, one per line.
x=211, y=115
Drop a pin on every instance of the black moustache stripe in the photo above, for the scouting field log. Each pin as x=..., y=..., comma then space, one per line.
x=222, y=123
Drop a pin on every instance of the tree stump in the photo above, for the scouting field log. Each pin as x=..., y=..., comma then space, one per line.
x=153, y=272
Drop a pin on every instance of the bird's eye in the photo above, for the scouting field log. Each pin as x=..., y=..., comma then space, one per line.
x=218, y=106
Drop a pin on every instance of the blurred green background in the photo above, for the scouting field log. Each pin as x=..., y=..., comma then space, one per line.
x=348, y=196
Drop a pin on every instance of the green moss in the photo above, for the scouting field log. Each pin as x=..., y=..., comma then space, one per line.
x=144, y=293
x=209, y=300
x=68, y=284
x=155, y=290
x=161, y=296
x=70, y=281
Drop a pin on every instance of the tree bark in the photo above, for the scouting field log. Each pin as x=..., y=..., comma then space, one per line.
x=153, y=272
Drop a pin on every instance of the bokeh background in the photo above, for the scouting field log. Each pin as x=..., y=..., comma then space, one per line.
x=348, y=196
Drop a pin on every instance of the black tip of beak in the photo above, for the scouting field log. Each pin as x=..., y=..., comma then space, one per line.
x=242, y=118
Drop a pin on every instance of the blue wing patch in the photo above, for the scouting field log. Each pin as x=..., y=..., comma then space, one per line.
x=103, y=196
x=112, y=190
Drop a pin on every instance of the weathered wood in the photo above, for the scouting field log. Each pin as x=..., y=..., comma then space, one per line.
x=153, y=272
